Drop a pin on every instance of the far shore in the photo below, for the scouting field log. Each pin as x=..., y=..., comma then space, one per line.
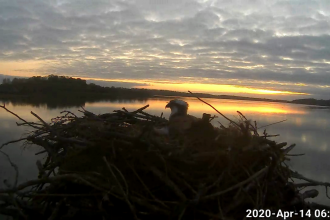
x=62, y=88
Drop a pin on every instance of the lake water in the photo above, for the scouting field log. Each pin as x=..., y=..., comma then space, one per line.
x=308, y=127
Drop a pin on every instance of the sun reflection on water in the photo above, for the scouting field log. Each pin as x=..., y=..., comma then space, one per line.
x=223, y=105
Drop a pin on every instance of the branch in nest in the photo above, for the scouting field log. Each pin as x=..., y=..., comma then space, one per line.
x=251, y=178
x=215, y=109
x=11, y=142
x=29, y=123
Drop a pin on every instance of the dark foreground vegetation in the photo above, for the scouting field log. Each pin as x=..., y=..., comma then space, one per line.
x=112, y=166
x=67, y=91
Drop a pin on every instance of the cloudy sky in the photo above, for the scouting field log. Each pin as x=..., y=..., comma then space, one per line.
x=268, y=48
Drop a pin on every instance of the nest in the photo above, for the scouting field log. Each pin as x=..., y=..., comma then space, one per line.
x=113, y=166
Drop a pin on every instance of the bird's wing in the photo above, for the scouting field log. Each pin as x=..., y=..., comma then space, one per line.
x=162, y=131
x=182, y=123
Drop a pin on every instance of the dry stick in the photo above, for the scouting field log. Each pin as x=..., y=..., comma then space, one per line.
x=281, y=145
x=41, y=152
x=67, y=113
x=168, y=182
x=150, y=207
x=301, y=197
x=62, y=195
x=56, y=210
x=122, y=176
x=146, y=188
x=240, y=113
x=4, y=107
x=182, y=213
x=252, y=185
x=87, y=113
x=288, y=149
x=254, y=128
x=121, y=188
x=215, y=109
x=88, y=183
x=72, y=140
x=140, y=109
x=13, y=165
x=132, y=115
x=38, y=181
x=297, y=175
x=271, y=135
x=40, y=168
x=86, y=110
x=11, y=142
x=220, y=209
x=273, y=123
x=295, y=155
x=40, y=119
x=152, y=116
x=17, y=206
x=237, y=185
x=175, y=175
x=238, y=200
x=215, y=182
x=21, y=124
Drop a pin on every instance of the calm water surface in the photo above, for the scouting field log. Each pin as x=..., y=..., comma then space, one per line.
x=307, y=127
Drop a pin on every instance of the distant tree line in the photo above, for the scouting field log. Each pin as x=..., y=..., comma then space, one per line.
x=37, y=84
x=312, y=102
x=59, y=85
x=63, y=87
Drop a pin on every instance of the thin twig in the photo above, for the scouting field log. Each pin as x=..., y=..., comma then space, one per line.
x=11, y=142
x=168, y=182
x=14, y=166
x=40, y=119
x=273, y=123
x=215, y=109
x=140, y=109
x=121, y=188
x=4, y=107
x=251, y=178
x=38, y=181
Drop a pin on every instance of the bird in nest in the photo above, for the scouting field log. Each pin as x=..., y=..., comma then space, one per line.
x=179, y=120
x=190, y=127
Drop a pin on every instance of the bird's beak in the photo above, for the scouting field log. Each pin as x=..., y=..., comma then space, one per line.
x=167, y=106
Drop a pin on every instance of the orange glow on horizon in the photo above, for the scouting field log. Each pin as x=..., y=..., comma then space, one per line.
x=21, y=68
x=197, y=87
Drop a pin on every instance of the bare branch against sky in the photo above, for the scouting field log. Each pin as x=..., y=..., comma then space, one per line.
x=261, y=44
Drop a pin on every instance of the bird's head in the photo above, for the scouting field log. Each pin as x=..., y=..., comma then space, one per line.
x=178, y=107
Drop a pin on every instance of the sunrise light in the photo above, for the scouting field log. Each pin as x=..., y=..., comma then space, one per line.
x=198, y=87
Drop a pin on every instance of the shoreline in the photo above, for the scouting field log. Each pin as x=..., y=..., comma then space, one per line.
x=92, y=97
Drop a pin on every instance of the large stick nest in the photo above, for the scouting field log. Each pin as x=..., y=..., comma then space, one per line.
x=113, y=166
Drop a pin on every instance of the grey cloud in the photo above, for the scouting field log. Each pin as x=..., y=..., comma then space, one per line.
x=166, y=10
x=241, y=40
x=10, y=10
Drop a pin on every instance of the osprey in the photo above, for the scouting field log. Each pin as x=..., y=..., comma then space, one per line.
x=197, y=133
x=179, y=120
